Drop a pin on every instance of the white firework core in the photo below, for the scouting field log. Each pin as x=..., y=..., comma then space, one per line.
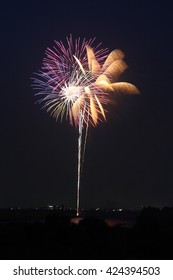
x=70, y=92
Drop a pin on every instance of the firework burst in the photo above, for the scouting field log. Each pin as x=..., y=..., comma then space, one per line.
x=76, y=82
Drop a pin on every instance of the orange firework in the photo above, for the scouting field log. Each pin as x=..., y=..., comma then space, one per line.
x=77, y=83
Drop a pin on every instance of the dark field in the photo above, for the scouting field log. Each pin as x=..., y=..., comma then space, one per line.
x=50, y=234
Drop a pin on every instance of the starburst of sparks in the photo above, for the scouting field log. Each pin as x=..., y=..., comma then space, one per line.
x=76, y=82
x=80, y=78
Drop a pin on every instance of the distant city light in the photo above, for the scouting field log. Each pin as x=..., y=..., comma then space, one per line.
x=50, y=206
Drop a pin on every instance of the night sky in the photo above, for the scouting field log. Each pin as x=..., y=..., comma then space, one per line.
x=129, y=159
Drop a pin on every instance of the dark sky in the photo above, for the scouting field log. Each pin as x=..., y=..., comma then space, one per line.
x=129, y=159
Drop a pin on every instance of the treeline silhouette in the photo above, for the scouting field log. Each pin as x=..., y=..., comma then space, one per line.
x=57, y=238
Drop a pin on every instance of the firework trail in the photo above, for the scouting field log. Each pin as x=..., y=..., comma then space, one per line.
x=76, y=82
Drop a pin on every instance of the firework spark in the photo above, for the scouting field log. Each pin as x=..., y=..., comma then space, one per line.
x=76, y=82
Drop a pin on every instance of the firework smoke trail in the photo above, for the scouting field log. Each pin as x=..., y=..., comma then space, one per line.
x=85, y=140
x=76, y=82
x=81, y=118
